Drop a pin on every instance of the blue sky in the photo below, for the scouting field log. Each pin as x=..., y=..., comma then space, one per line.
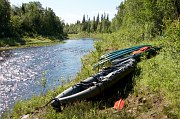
x=72, y=10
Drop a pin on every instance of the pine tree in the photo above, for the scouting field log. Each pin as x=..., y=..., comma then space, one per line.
x=93, y=25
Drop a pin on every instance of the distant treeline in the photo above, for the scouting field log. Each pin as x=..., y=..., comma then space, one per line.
x=145, y=17
x=28, y=19
x=100, y=25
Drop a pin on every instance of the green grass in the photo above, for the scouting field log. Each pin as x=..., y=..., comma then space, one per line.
x=155, y=86
x=79, y=35
x=84, y=35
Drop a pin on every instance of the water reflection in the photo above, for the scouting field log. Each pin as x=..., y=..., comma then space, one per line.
x=22, y=69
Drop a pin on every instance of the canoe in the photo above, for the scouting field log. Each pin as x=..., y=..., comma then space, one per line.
x=95, y=85
x=137, y=56
x=118, y=54
x=122, y=50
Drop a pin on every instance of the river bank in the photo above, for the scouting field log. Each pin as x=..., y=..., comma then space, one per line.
x=86, y=35
x=154, y=92
x=26, y=41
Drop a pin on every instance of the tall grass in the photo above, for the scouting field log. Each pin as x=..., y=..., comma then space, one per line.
x=4, y=42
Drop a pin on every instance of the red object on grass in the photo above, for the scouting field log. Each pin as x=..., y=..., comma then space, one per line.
x=119, y=104
x=141, y=50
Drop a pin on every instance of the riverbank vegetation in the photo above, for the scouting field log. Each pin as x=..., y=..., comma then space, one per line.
x=29, y=21
x=154, y=90
x=26, y=41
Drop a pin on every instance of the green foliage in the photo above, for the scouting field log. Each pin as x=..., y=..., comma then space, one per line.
x=145, y=16
x=29, y=19
x=5, y=10
x=43, y=82
x=11, y=43
x=4, y=42
x=89, y=26
x=32, y=18
x=118, y=19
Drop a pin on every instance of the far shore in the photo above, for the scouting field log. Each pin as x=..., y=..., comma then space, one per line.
x=24, y=42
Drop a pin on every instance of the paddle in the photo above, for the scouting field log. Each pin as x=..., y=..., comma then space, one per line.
x=119, y=104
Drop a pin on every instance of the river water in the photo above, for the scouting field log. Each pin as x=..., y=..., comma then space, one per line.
x=22, y=69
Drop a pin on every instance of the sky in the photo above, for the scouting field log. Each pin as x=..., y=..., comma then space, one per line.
x=72, y=10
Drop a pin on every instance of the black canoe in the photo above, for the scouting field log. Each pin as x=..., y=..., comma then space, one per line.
x=95, y=85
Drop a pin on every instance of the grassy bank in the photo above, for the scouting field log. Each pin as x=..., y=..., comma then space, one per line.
x=10, y=43
x=85, y=35
x=79, y=35
x=155, y=87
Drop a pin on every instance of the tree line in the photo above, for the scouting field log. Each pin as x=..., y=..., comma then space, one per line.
x=98, y=24
x=148, y=17
x=28, y=19
x=145, y=17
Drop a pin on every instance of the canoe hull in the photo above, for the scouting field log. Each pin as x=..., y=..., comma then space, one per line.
x=92, y=86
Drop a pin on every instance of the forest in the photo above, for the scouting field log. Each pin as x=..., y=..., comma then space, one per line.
x=28, y=19
x=148, y=17
x=99, y=25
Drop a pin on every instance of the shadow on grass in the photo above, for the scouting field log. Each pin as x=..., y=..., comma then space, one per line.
x=104, y=101
x=120, y=90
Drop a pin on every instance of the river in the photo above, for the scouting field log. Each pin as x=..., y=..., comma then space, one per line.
x=22, y=69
